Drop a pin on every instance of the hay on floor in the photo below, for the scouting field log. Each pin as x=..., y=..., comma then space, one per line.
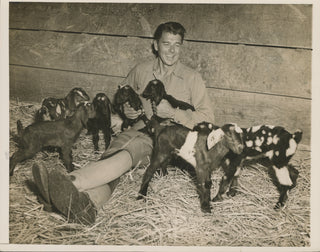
x=171, y=215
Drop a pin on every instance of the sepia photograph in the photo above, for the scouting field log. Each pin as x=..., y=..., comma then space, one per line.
x=159, y=126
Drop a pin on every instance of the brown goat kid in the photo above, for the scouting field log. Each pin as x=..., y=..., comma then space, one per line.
x=204, y=152
x=61, y=133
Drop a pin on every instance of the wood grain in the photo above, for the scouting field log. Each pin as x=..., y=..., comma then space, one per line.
x=263, y=24
x=246, y=109
x=255, y=69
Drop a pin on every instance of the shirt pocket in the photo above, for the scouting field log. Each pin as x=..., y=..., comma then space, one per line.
x=180, y=91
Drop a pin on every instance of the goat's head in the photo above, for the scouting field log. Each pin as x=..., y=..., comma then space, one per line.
x=54, y=108
x=204, y=127
x=154, y=91
x=49, y=102
x=123, y=93
x=43, y=114
x=75, y=96
x=153, y=125
x=231, y=134
x=127, y=94
x=102, y=104
x=84, y=111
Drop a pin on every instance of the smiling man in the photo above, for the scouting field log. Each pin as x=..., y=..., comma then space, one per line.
x=81, y=193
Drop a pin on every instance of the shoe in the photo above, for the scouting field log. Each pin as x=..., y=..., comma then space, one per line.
x=40, y=176
x=74, y=205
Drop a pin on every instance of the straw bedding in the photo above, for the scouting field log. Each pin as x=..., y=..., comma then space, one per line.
x=171, y=215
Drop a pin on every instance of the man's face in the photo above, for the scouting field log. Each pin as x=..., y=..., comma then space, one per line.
x=168, y=48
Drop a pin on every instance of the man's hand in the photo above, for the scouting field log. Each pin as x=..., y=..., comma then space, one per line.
x=165, y=110
x=130, y=112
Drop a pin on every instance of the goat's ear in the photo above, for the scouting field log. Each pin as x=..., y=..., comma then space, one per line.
x=237, y=129
x=214, y=137
x=58, y=109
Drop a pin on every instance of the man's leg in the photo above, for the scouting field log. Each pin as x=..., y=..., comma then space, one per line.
x=80, y=206
x=101, y=172
x=79, y=194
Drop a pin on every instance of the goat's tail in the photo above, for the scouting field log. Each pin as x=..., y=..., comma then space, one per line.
x=19, y=128
x=17, y=137
x=297, y=136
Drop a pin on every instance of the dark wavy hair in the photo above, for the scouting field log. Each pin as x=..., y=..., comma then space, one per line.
x=172, y=27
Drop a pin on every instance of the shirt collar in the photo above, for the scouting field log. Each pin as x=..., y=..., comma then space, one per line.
x=177, y=71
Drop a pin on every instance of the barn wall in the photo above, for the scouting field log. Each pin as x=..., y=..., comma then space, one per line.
x=255, y=59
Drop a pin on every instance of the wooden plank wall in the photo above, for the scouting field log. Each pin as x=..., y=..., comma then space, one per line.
x=255, y=59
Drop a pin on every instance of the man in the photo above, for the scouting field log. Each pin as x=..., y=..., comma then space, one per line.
x=79, y=194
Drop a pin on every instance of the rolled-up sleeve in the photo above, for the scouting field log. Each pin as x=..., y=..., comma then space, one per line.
x=201, y=102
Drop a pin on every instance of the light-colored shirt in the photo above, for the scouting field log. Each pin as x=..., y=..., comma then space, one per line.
x=183, y=83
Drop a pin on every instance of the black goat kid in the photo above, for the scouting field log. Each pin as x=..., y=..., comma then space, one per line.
x=155, y=92
x=61, y=133
x=102, y=120
x=126, y=94
x=204, y=152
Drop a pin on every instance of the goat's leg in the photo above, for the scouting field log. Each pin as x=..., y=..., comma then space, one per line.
x=163, y=171
x=66, y=156
x=234, y=182
x=284, y=189
x=107, y=136
x=204, y=184
x=125, y=124
x=232, y=167
x=19, y=156
x=95, y=139
x=157, y=161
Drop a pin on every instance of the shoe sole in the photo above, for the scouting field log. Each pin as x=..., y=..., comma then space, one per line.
x=75, y=205
x=40, y=176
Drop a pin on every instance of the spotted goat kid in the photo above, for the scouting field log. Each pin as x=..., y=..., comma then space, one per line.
x=53, y=109
x=277, y=146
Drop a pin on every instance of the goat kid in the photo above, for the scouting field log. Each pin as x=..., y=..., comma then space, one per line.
x=102, y=120
x=53, y=109
x=204, y=152
x=61, y=133
x=126, y=94
x=273, y=143
x=155, y=92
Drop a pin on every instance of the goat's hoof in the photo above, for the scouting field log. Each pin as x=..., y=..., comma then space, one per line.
x=279, y=206
x=232, y=193
x=206, y=209
x=217, y=198
x=140, y=197
x=162, y=173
